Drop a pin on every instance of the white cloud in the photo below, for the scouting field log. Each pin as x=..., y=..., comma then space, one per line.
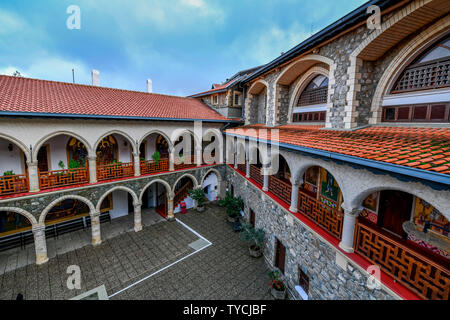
x=10, y=23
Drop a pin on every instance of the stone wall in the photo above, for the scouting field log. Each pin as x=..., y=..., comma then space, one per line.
x=304, y=249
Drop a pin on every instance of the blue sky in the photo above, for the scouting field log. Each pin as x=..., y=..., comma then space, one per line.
x=182, y=45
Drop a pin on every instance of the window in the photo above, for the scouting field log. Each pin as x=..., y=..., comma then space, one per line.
x=236, y=99
x=303, y=280
x=417, y=113
x=215, y=99
x=429, y=71
x=311, y=104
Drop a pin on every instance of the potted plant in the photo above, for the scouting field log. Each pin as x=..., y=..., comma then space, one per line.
x=226, y=200
x=277, y=286
x=255, y=238
x=234, y=207
x=200, y=197
x=156, y=157
x=9, y=173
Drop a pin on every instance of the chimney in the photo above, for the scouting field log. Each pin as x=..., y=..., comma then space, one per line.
x=149, y=86
x=95, y=77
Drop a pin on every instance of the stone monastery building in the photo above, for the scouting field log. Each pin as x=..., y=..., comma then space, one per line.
x=358, y=116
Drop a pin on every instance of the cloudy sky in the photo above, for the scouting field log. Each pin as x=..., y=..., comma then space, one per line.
x=182, y=45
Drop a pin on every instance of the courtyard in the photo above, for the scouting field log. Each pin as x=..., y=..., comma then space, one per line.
x=164, y=261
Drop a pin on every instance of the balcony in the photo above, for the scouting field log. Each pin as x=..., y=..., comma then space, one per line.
x=255, y=174
x=327, y=218
x=115, y=171
x=281, y=189
x=425, y=274
x=185, y=164
x=150, y=166
x=14, y=184
x=61, y=178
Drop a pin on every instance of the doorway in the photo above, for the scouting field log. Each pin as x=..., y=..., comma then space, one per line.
x=395, y=209
x=280, y=256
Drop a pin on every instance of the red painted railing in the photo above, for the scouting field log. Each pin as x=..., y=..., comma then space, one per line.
x=327, y=218
x=255, y=174
x=114, y=171
x=427, y=276
x=281, y=189
x=60, y=178
x=185, y=165
x=150, y=166
x=14, y=184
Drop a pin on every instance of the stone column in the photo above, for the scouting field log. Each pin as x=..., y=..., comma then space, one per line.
x=95, y=228
x=294, y=195
x=198, y=152
x=170, y=215
x=40, y=243
x=33, y=176
x=137, y=165
x=266, y=179
x=92, y=169
x=247, y=168
x=171, y=159
x=137, y=217
x=348, y=229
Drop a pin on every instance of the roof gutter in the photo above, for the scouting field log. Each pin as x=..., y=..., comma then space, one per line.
x=356, y=16
x=104, y=117
x=412, y=172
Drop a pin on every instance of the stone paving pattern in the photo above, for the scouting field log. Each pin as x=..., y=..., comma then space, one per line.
x=222, y=271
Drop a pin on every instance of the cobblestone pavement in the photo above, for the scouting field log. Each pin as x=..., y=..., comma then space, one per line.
x=222, y=271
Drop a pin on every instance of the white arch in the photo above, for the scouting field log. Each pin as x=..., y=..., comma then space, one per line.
x=301, y=85
x=41, y=141
x=18, y=143
x=128, y=137
x=22, y=212
x=257, y=83
x=123, y=188
x=360, y=197
x=156, y=131
x=309, y=57
x=300, y=171
x=72, y=197
x=402, y=60
x=168, y=188
x=219, y=139
x=287, y=159
x=176, y=134
x=219, y=177
x=194, y=180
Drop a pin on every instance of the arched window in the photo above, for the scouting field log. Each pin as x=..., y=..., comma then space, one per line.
x=311, y=105
x=422, y=91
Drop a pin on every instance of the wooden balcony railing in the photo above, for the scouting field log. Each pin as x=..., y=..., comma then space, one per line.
x=14, y=184
x=255, y=174
x=280, y=188
x=60, y=178
x=424, y=275
x=114, y=171
x=242, y=168
x=327, y=218
x=150, y=166
x=185, y=165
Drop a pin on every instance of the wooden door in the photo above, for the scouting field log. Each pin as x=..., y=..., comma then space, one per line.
x=252, y=218
x=42, y=158
x=280, y=258
x=395, y=209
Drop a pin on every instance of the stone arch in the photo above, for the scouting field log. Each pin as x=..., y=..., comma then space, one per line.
x=41, y=141
x=22, y=212
x=403, y=58
x=301, y=85
x=168, y=188
x=155, y=131
x=119, y=132
x=18, y=143
x=219, y=176
x=186, y=175
x=257, y=87
x=358, y=198
x=297, y=175
x=288, y=161
x=123, y=188
x=176, y=134
x=55, y=202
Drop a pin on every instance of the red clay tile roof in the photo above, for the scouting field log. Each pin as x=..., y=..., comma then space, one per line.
x=422, y=148
x=217, y=87
x=40, y=96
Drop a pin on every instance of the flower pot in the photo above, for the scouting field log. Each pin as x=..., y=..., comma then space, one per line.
x=232, y=219
x=278, y=295
x=200, y=209
x=255, y=252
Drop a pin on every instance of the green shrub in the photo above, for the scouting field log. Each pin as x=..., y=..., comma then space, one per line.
x=9, y=173
x=198, y=195
x=234, y=207
x=73, y=164
x=156, y=157
x=255, y=237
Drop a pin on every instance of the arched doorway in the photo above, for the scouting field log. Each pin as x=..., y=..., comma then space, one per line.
x=210, y=186
x=154, y=154
x=13, y=169
x=181, y=193
x=62, y=161
x=155, y=200
x=320, y=199
x=408, y=238
x=117, y=204
x=114, y=157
